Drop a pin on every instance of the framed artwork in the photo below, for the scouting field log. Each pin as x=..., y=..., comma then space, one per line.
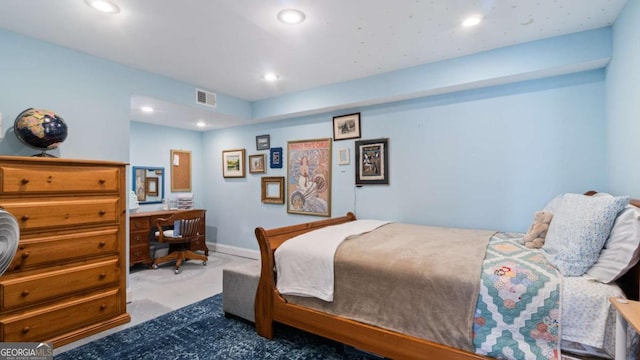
x=309, y=177
x=140, y=178
x=343, y=156
x=372, y=162
x=272, y=189
x=151, y=184
x=233, y=163
x=346, y=127
x=275, y=158
x=256, y=164
x=148, y=184
x=262, y=142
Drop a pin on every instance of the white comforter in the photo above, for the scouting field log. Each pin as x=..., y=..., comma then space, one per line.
x=304, y=264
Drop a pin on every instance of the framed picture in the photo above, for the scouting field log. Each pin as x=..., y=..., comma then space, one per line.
x=262, y=142
x=309, y=177
x=233, y=163
x=346, y=127
x=372, y=162
x=275, y=158
x=273, y=189
x=256, y=164
x=151, y=184
x=140, y=175
x=343, y=156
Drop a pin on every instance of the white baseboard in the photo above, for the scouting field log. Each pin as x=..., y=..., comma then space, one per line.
x=232, y=250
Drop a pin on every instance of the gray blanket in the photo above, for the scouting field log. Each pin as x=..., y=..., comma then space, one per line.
x=417, y=280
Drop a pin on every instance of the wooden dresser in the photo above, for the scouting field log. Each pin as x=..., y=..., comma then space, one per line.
x=68, y=278
x=141, y=228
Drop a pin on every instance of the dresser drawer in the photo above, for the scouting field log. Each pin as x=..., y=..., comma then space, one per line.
x=34, y=252
x=139, y=238
x=140, y=253
x=44, y=323
x=28, y=289
x=55, y=179
x=61, y=212
x=139, y=224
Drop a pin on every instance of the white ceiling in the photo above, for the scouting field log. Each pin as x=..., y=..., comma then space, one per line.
x=226, y=46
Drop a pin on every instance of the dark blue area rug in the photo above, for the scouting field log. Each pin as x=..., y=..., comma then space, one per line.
x=201, y=331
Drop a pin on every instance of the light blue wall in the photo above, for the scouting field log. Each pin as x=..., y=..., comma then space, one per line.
x=91, y=94
x=623, y=99
x=480, y=159
x=471, y=154
x=532, y=60
x=151, y=146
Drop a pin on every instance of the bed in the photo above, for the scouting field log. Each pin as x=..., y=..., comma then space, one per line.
x=330, y=316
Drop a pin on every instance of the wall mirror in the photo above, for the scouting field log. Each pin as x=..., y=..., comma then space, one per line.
x=148, y=184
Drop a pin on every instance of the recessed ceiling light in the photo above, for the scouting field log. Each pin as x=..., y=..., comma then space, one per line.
x=472, y=21
x=270, y=77
x=201, y=124
x=291, y=16
x=147, y=109
x=105, y=6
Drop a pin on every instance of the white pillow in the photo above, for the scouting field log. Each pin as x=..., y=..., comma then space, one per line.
x=622, y=250
x=581, y=224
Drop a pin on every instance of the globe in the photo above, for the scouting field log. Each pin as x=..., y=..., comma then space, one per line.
x=40, y=129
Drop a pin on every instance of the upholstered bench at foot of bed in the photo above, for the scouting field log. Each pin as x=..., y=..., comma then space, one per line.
x=239, y=285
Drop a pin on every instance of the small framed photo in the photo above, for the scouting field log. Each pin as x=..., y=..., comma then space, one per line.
x=343, y=156
x=256, y=164
x=263, y=142
x=233, y=163
x=346, y=127
x=275, y=158
x=151, y=185
x=372, y=162
x=273, y=189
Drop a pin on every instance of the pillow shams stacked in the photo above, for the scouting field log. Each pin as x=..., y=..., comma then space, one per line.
x=581, y=224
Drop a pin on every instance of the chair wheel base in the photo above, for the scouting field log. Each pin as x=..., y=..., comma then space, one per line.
x=154, y=266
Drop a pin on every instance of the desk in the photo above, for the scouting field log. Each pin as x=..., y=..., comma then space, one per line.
x=141, y=232
x=627, y=312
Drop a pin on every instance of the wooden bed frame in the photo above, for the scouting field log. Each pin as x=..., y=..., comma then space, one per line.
x=270, y=306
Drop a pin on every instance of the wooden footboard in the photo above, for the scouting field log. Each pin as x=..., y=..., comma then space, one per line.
x=271, y=307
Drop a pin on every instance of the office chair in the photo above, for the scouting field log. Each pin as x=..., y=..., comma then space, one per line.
x=179, y=231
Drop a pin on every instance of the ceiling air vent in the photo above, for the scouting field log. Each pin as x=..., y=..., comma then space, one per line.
x=205, y=98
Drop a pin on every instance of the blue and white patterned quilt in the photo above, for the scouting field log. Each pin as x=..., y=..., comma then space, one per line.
x=518, y=310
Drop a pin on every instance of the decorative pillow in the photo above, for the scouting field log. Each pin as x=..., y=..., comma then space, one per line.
x=581, y=225
x=552, y=206
x=622, y=250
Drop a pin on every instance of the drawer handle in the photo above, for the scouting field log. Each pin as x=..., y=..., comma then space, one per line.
x=102, y=244
x=25, y=293
x=24, y=181
x=25, y=254
x=103, y=307
x=102, y=181
x=102, y=276
x=25, y=217
x=50, y=179
x=102, y=212
x=25, y=329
